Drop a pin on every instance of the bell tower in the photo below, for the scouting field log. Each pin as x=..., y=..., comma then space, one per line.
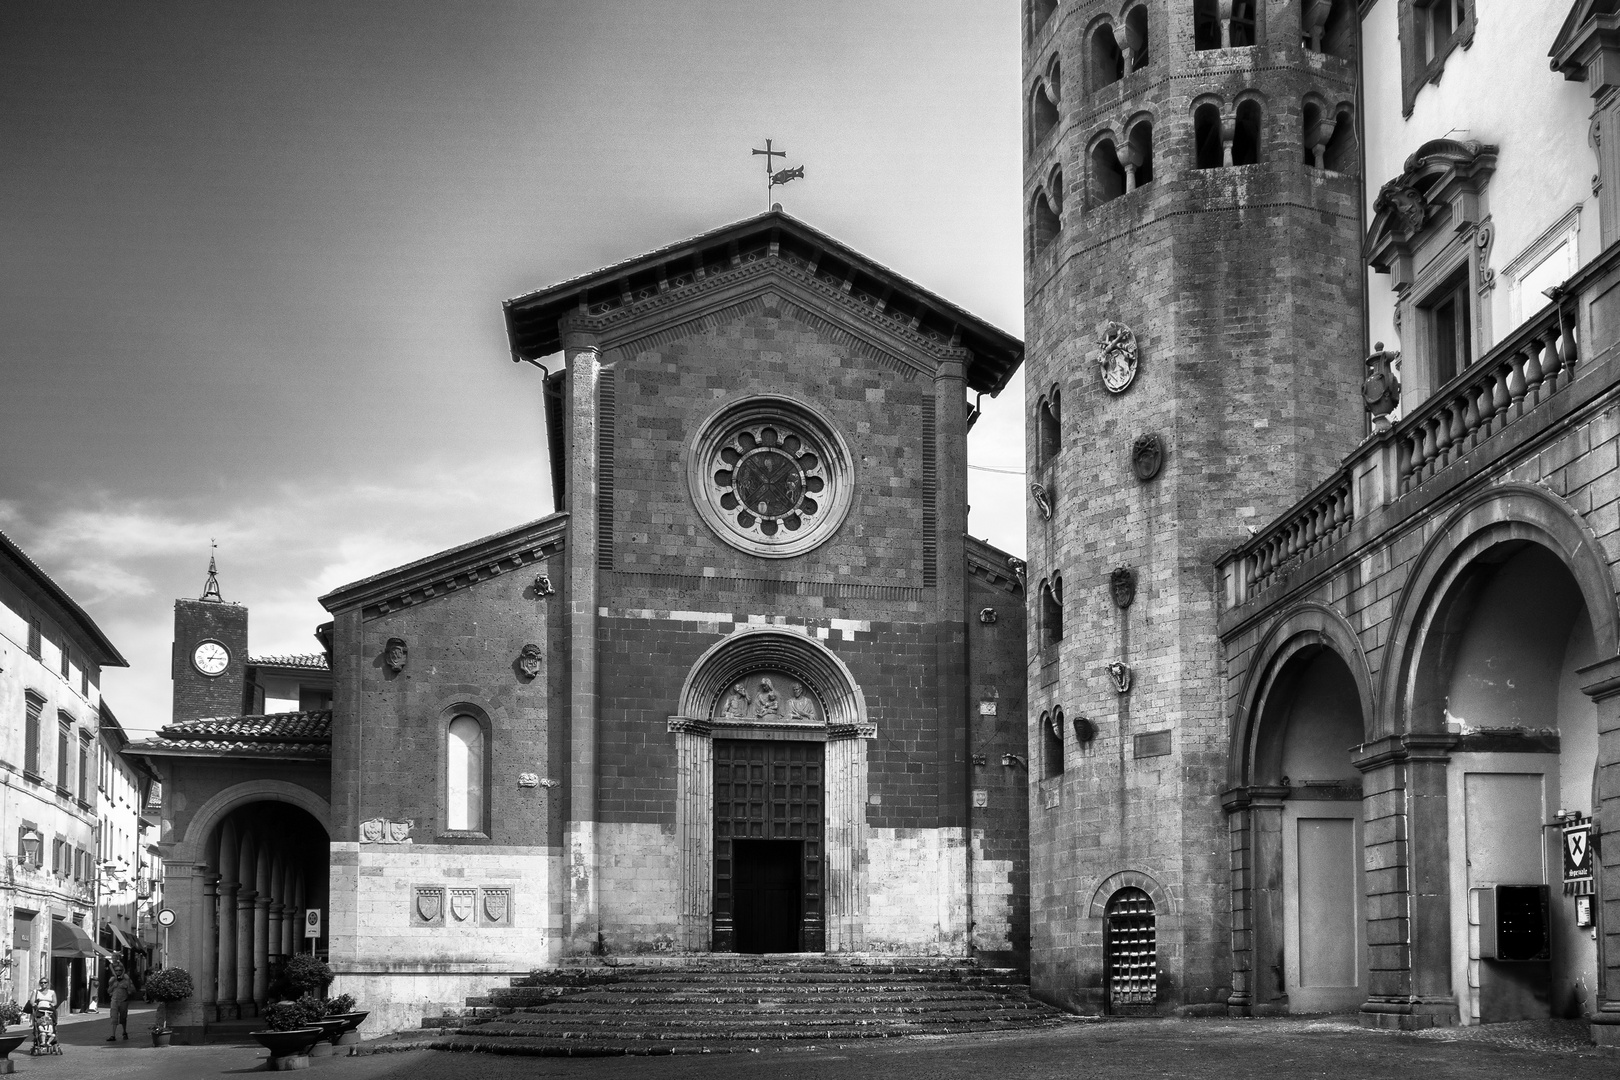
x=210, y=653
x=1192, y=311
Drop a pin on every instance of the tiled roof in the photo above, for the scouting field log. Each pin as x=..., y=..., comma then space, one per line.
x=294, y=734
x=307, y=661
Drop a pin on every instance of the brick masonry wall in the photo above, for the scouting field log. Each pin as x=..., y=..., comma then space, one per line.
x=196, y=695
x=1240, y=285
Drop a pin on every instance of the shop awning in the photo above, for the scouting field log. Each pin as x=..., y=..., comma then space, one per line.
x=118, y=936
x=70, y=940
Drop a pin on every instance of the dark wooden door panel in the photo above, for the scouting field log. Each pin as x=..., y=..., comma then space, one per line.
x=768, y=791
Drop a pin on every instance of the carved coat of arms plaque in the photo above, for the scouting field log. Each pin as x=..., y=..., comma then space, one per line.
x=461, y=904
x=1117, y=356
x=429, y=905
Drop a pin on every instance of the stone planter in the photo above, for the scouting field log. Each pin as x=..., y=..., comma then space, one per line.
x=331, y=1028
x=288, y=1049
x=351, y=1033
x=8, y=1043
x=162, y=1036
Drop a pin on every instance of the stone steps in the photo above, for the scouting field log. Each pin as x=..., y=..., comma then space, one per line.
x=720, y=1004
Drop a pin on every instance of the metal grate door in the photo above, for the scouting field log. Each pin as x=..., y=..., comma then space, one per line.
x=1131, y=952
x=768, y=791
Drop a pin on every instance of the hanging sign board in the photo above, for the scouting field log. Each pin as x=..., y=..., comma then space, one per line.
x=312, y=922
x=1578, y=857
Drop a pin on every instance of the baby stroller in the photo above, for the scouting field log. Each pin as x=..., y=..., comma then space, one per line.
x=44, y=1031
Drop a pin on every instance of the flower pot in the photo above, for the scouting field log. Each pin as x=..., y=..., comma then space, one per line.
x=351, y=1034
x=161, y=1036
x=331, y=1028
x=288, y=1049
x=8, y=1043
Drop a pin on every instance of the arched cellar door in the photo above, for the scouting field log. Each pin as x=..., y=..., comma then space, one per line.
x=1130, y=952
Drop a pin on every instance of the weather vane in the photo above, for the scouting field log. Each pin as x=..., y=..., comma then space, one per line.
x=773, y=175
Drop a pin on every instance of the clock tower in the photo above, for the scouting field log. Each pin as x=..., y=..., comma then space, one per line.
x=210, y=654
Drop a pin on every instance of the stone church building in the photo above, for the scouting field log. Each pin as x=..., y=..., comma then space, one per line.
x=751, y=689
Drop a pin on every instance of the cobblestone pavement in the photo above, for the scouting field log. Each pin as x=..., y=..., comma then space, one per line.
x=1293, y=1049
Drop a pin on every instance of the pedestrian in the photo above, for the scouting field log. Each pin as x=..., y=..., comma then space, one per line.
x=119, y=987
x=42, y=1006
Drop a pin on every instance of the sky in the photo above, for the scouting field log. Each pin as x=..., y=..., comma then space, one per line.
x=252, y=257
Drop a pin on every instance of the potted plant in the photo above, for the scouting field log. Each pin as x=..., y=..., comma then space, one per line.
x=10, y=1013
x=305, y=973
x=290, y=1035
x=342, y=1008
x=165, y=986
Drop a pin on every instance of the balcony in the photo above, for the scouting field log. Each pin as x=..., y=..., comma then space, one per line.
x=1500, y=410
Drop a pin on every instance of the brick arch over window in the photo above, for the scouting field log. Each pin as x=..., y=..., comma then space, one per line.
x=1497, y=515
x=1306, y=626
x=1163, y=902
x=752, y=649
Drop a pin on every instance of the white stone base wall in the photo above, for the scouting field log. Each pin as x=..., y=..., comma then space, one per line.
x=639, y=883
x=399, y=966
x=992, y=899
x=916, y=891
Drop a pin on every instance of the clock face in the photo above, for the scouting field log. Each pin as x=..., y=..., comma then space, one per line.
x=211, y=658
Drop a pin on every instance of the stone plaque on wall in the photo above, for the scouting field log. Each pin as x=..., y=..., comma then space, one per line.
x=495, y=907
x=427, y=906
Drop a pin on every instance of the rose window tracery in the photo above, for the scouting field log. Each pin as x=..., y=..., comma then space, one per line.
x=770, y=477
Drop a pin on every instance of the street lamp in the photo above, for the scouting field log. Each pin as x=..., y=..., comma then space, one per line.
x=30, y=844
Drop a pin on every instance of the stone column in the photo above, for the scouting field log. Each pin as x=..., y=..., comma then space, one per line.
x=204, y=943
x=1269, y=989
x=277, y=910
x=226, y=944
x=1602, y=685
x=244, y=951
x=580, y=412
x=1428, y=815
x=694, y=829
x=1236, y=804
x=261, y=949
x=844, y=873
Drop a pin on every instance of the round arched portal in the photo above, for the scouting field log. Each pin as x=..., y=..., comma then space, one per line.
x=771, y=793
x=261, y=863
x=1297, y=816
x=1498, y=666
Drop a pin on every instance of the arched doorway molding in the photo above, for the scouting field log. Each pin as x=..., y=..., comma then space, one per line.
x=1295, y=634
x=1409, y=693
x=844, y=729
x=193, y=846
x=1164, y=903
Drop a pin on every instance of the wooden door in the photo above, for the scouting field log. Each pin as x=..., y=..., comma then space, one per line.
x=767, y=790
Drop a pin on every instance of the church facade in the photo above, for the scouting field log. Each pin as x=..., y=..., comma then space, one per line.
x=752, y=689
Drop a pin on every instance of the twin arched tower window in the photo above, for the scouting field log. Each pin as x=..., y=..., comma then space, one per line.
x=466, y=765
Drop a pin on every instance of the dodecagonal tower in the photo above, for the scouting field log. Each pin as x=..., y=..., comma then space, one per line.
x=1193, y=319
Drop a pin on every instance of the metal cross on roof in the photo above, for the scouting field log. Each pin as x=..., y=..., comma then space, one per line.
x=773, y=175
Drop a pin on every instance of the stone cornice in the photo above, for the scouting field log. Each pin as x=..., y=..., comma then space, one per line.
x=986, y=561
x=451, y=570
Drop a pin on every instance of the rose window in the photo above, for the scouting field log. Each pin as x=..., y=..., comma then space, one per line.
x=770, y=477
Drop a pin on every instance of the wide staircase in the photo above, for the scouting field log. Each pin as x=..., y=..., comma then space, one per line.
x=727, y=1004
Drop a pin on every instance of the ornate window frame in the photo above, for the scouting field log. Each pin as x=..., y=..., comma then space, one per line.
x=716, y=444
x=1423, y=61
x=448, y=716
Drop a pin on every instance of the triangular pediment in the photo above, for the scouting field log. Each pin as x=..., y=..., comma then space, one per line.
x=687, y=281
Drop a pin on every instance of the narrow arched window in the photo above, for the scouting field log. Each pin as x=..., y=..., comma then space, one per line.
x=1107, y=62
x=465, y=760
x=1206, y=25
x=1140, y=163
x=1240, y=31
x=1051, y=429
x=1052, y=743
x=1043, y=114
x=1107, y=174
x=1136, y=37
x=1052, y=610
x=1209, y=150
x=1246, y=135
x=1039, y=12
x=1044, y=223
x=1340, y=153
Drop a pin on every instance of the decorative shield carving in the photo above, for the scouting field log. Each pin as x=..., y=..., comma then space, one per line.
x=371, y=832
x=495, y=905
x=988, y=615
x=529, y=661
x=1120, y=672
x=1122, y=586
x=395, y=655
x=399, y=832
x=1117, y=356
x=429, y=904
x=1147, y=455
x=461, y=904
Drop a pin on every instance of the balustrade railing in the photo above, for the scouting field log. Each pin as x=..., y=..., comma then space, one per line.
x=1311, y=525
x=1534, y=363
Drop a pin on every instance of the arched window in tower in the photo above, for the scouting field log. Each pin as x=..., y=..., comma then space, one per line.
x=1324, y=28
x=1107, y=61
x=1107, y=174
x=1049, y=417
x=1136, y=38
x=1043, y=115
x=1052, y=610
x=1340, y=153
x=1044, y=223
x=1207, y=146
x=1039, y=12
x=1240, y=30
x=1206, y=25
x=1246, y=135
x=1315, y=136
x=1139, y=160
x=466, y=761
x=1052, y=743
x=1130, y=951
